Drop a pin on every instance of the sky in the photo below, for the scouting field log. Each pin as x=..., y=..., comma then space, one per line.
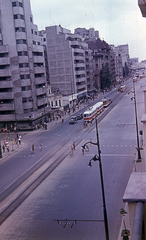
x=118, y=21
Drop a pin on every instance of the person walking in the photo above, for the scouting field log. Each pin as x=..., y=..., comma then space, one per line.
x=74, y=146
x=82, y=150
x=41, y=146
x=32, y=148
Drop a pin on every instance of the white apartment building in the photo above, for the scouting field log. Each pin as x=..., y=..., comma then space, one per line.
x=87, y=34
x=23, y=86
x=66, y=61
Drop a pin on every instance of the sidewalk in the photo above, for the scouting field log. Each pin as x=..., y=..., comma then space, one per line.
x=13, y=147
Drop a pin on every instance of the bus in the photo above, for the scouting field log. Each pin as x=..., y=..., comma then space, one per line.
x=93, y=111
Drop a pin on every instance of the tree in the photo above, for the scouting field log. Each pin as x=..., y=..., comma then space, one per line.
x=105, y=77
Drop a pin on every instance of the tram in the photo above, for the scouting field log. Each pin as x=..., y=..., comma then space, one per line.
x=123, y=88
x=106, y=101
x=93, y=111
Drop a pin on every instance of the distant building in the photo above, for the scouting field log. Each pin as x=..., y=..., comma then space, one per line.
x=23, y=85
x=87, y=34
x=123, y=60
x=102, y=55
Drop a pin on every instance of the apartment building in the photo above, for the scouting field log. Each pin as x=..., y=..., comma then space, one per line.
x=67, y=62
x=23, y=92
x=87, y=34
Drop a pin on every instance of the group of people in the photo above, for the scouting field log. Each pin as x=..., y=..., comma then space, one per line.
x=33, y=147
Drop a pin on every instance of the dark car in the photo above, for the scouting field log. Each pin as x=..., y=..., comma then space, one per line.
x=80, y=116
x=73, y=120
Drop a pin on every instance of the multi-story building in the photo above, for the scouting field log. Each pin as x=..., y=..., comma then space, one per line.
x=102, y=56
x=122, y=53
x=23, y=92
x=87, y=34
x=67, y=62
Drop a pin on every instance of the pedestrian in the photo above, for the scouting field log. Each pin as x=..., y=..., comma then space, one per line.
x=71, y=151
x=3, y=147
x=32, y=148
x=82, y=150
x=74, y=146
x=41, y=146
x=7, y=146
x=19, y=139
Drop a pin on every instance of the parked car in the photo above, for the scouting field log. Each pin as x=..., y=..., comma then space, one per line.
x=80, y=116
x=73, y=120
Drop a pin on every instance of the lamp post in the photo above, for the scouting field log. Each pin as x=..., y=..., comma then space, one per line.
x=98, y=158
x=0, y=149
x=139, y=159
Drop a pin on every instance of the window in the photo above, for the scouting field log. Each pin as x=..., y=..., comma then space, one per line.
x=23, y=65
x=30, y=19
x=25, y=76
x=20, y=4
x=38, y=64
x=18, y=16
x=19, y=29
x=37, y=54
x=5, y=89
x=34, y=42
x=21, y=41
x=14, y=4
x=26, y=88
x=4, y=66
x=5, y=78
x=23, y=53
x=40, y=85
x=28, y=110
x=29, y=99
x=39, y=75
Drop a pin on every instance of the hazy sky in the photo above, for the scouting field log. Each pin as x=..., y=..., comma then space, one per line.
x=118, y=21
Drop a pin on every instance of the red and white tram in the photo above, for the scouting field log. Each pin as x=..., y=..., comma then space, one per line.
x=93, y=111
x=106, y=101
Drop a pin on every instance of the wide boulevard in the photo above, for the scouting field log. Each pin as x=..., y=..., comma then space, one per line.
x=50, y=195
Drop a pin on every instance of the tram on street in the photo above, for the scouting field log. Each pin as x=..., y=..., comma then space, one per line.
x=106, y=101
x=122, y=88
x=93, y=111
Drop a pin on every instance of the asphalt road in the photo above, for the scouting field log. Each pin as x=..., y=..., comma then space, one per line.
x=73, y=190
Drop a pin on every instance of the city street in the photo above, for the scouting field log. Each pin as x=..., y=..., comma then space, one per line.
x=68, y=205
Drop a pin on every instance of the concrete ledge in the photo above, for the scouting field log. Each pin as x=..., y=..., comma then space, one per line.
x=136, y=188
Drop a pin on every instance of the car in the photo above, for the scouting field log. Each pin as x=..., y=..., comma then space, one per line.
x=73, y=120
x=80, y=116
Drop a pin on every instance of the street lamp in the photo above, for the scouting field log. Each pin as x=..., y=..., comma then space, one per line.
x=0, y=149
x=98, y=158
x=138, y=147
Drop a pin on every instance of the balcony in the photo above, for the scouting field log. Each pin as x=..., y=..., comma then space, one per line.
x=5, y=84
x=40, y=91
x=6, y=95
x=39, y=69
x=4, y=60
x=142, y=6
x=7, y=107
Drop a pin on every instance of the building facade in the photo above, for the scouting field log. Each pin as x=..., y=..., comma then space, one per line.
x=23, y=91
x=66, y=60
